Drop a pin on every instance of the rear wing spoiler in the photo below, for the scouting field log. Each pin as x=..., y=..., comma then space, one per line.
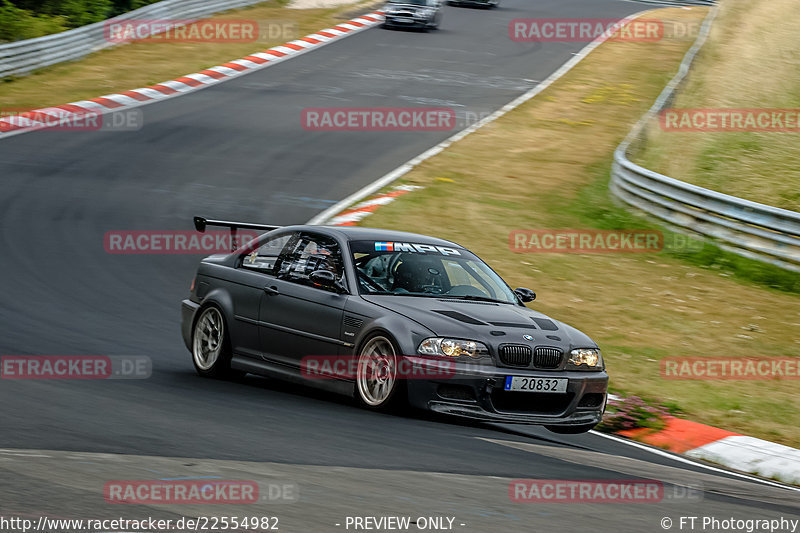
x=200, y=224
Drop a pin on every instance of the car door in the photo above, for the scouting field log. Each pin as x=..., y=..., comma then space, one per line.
x=298, y=318
x=246, y=287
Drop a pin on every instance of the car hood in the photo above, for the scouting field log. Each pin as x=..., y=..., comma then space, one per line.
x=484, y=321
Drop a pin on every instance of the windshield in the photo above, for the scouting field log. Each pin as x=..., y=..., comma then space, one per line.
x=409, y=269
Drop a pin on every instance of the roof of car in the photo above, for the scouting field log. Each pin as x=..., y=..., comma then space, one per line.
x=357, y=233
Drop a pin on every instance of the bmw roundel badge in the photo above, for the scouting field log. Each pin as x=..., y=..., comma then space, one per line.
x=528, y=337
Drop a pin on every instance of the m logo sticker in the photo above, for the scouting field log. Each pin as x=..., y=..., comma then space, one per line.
x=416, y=248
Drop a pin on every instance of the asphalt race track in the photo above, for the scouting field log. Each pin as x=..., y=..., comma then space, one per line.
x=237, y=151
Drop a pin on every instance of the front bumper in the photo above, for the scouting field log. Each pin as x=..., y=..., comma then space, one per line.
x=477, y=391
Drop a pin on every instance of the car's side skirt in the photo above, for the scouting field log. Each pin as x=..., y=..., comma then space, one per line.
x=290, y=374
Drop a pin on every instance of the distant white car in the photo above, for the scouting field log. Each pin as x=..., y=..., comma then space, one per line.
x=421, y=14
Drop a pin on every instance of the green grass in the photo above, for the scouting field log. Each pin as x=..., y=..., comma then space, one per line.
x=749, y=61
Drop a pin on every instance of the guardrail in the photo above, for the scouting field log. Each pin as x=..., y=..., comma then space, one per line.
x=21, y=57
x=750, y=229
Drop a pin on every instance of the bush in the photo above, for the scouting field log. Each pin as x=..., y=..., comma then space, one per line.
x=631, y=413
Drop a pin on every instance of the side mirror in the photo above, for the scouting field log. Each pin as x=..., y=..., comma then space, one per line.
x=325, y=279
x=526, y=295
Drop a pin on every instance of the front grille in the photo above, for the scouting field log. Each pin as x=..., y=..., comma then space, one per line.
x=547, y=357
x=515, y=354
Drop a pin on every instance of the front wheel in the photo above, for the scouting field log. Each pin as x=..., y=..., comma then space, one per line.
x=571, y=430
x=211, y=353
x=377, y=385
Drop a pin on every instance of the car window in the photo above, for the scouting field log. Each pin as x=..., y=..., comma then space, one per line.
x=413, y=269
x=265, y=257
x=309, y=253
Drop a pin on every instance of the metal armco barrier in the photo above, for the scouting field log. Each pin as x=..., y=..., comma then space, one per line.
x=21, y=57
x=750, y=229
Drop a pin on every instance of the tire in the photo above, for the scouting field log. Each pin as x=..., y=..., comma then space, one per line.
x=377, y=386
x=571, y=430
x=211, y=347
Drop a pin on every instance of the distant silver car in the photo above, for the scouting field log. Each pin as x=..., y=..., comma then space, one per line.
x=422, y=14
x=482, y=3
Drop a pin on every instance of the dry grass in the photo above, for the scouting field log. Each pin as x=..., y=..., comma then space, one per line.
x=545, y=165
x=146, y=63
x=751, y=60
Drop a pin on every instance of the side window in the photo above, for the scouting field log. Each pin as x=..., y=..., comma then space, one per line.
x=310, y=253
x=265, y=257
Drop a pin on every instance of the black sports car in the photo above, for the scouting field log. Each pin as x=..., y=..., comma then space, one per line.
x=423, y=14
x=389, y=317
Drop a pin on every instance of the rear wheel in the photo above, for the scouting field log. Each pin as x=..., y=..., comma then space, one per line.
x=211, y=353
x=571, y=430
x=377, y=385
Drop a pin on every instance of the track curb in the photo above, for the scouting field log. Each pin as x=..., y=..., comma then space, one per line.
x=738, y=452
x=75, y=112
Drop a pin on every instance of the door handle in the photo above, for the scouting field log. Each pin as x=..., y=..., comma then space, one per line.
x=271, y=290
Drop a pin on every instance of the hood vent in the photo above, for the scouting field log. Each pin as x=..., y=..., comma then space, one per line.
x=461, y=317
x=476, y=302
x=512, y=325
x=547, y=325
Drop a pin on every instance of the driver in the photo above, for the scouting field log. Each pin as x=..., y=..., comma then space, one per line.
x=414, y=274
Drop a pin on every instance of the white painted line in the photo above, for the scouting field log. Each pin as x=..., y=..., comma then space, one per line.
x=385, y=180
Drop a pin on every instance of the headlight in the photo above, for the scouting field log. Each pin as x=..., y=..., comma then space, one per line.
x=453, y=348
x=586, y=358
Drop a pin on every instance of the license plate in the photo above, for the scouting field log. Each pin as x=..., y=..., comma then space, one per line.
x=403, y=19
x=523, y=384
